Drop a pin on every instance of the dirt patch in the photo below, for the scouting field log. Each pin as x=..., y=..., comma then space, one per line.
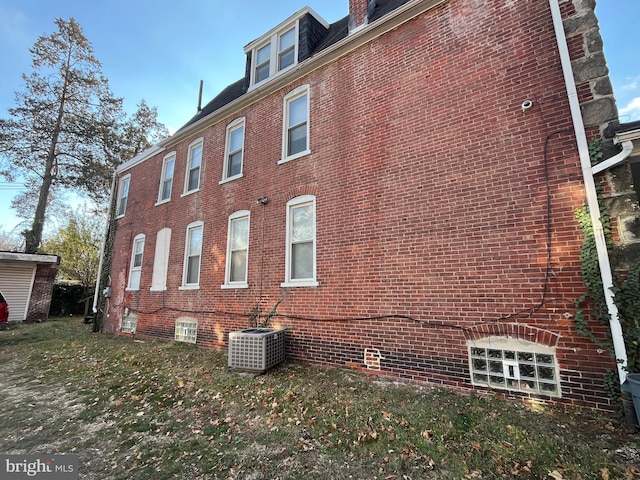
x=41, y=418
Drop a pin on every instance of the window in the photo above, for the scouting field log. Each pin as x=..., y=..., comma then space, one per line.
x=274, y=53
x=136, y=263
x=161, y=260
x=512, y=364
x=186, y=330
x=166, y=180
x=192, y=256
x=286, y=49
x=123, y=195
x=237, y=250
x=192, y=179
x=300, y=259
x=129, y=323
x=263, y=61
x=295, y=141
x=234, y=150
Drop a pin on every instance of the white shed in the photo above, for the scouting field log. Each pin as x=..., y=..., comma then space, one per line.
x=18, y=276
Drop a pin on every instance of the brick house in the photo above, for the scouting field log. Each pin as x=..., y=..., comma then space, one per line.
x=402, y=180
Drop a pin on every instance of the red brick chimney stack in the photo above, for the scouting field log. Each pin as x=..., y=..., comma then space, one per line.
x=357, y=13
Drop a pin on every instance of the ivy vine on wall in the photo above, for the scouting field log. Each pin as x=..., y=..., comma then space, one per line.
x=626, y=289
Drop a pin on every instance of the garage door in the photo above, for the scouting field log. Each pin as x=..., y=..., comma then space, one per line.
x=16, y=282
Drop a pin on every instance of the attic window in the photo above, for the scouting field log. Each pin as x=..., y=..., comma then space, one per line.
x=276, y=52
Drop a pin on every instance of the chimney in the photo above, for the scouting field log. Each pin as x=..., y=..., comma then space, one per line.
x=358, y=17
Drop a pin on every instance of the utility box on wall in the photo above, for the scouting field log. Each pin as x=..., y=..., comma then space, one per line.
x=256, y=349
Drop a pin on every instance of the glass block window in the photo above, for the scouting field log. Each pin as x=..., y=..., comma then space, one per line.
x=515, y=365
x=129, y=324
x=186, y=330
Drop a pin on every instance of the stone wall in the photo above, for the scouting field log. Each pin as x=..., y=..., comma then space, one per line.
x=600, y=116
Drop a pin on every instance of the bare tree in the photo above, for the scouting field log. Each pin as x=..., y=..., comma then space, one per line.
x=67, y=131
x=10, y=241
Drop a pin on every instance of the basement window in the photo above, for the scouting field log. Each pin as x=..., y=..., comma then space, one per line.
x=186, y=330
x=512, y=364
x=129, y=324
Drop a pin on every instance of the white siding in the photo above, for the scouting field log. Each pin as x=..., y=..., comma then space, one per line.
x=16, y=283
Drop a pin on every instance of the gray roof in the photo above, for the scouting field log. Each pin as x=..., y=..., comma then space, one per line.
x=322, y=39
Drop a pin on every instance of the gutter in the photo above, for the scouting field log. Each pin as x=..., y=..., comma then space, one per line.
x=590, y=190
x=351, y=42
x=627, y=148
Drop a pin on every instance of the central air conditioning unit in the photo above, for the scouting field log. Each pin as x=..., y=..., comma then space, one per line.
x=257, y=349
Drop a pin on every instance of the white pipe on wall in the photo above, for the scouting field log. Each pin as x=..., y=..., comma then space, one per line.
x=590, y=188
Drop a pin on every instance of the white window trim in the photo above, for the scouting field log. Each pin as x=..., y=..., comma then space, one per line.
x=307, y=282
x=185, y=262
x=126, y=178
x=291, y=96
x=227, y=282
x=272, y=37
x=165, y=160
x=135, y=269
x=237, y=123
x=161, y=261
x=518, y=345
x=193, y=145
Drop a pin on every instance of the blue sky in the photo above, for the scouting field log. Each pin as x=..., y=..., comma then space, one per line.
x=159, y=51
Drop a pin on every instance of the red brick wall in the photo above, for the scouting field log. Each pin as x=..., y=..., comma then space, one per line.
x=358, y=11
x=431, y=204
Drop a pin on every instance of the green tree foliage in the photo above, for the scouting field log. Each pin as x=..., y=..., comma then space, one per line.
x=78, y=245
x=67, y=130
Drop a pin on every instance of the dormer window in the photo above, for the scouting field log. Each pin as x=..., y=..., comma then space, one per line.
x=263, y=63
x=278, y=54
x=282, y=47
x=286, y=49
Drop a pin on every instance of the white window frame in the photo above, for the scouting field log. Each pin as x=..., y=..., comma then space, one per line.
x=135, y=270
x=161, y=260
x=171, y=157
x=299, y=92
x=241, y=214
x=510, y=375
x=187, y=255
x=192, y=146
x=232, y=127
x=272, y=39
x=302, y=282
x=122, y=198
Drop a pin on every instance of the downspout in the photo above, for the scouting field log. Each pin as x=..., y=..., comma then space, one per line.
x=590, y=188
x=102, y=247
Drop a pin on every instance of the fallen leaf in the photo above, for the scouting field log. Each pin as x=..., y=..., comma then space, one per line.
x=556, y=475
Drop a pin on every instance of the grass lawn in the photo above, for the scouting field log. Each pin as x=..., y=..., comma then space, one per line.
x=160, y=410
